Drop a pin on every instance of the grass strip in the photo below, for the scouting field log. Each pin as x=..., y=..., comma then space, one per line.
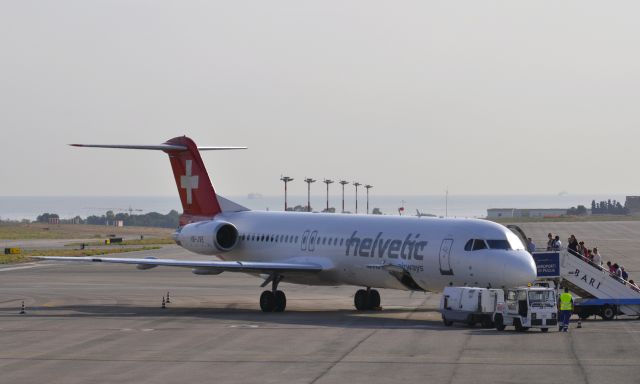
x=145, y=241
x=24, y=256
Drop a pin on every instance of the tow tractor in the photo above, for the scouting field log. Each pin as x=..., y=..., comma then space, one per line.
x=527, y=307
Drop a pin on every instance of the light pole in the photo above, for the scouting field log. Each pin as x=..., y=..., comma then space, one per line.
x=356, y=185
x=286, y=179
x=343, y=182
x=368, y=187
x=309, y=180
x=327, y=181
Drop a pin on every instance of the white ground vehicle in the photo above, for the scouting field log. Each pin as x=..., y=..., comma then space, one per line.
x=527, y=307
x=470, y=305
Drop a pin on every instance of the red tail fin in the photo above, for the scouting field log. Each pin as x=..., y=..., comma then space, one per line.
x=199, y=200
x=196, y=192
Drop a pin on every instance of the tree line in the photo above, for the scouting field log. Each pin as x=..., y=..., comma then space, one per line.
x=609, y=207
x=151, y=219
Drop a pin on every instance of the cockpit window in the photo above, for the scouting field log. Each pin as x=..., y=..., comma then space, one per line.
x=499, y=244
x=479, y=244
x=469, y=245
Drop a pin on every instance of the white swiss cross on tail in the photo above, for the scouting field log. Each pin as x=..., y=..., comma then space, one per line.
x=188, y=181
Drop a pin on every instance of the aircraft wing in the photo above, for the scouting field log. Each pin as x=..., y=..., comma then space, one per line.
x=213, y=266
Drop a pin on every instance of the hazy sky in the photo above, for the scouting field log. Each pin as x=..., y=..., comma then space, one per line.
x=482, y=97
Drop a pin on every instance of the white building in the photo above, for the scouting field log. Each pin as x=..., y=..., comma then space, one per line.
x=496, y=213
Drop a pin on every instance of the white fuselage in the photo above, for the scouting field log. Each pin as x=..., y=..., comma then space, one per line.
x=359, y=249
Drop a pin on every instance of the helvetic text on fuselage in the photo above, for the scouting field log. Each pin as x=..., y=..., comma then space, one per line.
x=406, y=249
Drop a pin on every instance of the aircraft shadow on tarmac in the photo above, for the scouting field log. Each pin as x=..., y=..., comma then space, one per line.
x=392, y=318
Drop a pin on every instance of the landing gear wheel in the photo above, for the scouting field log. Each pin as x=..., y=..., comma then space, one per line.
x=499, y=323
x=471, y=322
x=360, y=300
x=519, y=326
x=280, y=301
x=267, y=301
x=544, y=329
x=486, y=323
x=374, y=299
x=608, y=313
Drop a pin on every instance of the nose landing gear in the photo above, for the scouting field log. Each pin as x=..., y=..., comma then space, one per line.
x=366, y=300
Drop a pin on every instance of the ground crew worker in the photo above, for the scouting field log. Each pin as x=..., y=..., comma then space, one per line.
x=566, y=308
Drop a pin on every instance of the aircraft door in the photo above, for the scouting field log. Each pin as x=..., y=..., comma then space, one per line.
x=445, y=255
x=312, y=241
x=305, y=239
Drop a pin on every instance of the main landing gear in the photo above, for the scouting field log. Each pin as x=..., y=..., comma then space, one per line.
x=273, y=300
x=366, y=300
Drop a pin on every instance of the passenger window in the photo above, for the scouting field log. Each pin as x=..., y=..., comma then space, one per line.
x=324, y=240
x=296, y=239
x=469, y=245
x=479, y=244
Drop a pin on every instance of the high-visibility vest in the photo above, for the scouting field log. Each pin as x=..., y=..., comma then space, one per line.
x=565, y=301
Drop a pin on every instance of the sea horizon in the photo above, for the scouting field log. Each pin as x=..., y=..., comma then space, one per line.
x=29, y=207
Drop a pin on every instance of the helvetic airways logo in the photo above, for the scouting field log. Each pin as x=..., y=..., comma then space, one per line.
x=188, y=181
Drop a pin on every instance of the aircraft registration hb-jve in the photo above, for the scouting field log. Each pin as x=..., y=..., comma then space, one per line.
x=369, y=251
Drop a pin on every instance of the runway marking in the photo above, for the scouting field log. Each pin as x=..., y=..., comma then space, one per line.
x=28, y=266
x=243, y=326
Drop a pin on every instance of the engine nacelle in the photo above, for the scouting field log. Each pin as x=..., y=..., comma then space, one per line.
x=207, y=237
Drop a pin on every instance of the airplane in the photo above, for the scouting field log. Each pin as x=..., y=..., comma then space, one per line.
x=420, y=214
x=367, y=251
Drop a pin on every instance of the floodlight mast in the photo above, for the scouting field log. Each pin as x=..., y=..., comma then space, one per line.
x=309, y=180
x=327, y=181
x=343, y=182
x=285, y=179
x=356, y=184
x=368, y=187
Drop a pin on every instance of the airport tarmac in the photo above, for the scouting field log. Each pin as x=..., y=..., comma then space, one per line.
x=88, y=323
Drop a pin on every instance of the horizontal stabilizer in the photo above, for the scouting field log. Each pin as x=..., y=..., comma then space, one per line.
x=157, y=147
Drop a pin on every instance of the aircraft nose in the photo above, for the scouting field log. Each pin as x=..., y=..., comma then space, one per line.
x=519, y=270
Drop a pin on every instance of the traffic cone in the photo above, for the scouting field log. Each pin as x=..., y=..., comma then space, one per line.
x=22, y=312
x=163, y=305
x=579, y=323
x=168, y=300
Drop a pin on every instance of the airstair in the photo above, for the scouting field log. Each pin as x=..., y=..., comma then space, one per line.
x=591, y=282
x=603, y=292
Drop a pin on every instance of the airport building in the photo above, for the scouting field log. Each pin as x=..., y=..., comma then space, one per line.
x=496, y=213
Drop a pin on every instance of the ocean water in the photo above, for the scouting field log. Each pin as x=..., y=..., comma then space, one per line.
x=29, y=207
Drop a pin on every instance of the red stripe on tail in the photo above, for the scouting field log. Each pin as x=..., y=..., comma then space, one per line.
x=196, y=192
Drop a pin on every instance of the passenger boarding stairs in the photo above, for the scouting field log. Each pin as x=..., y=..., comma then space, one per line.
x=591, y=281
